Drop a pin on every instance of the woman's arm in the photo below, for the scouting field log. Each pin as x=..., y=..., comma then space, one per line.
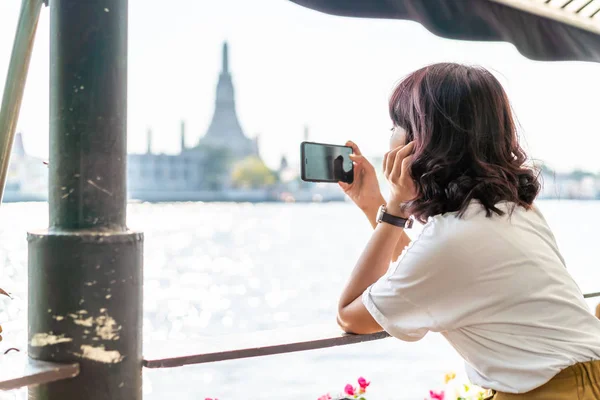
x=372, y=265
x=375, y=259
x=365, y=193
x=371, y=214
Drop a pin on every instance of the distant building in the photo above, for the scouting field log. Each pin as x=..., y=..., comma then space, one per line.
x=27, y=178
x=572, y=185
x=286, y=173
x=205, y=167
x=150, y=172
x=199, y=173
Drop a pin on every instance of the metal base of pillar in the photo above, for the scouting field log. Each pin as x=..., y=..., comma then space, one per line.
x=85, y=306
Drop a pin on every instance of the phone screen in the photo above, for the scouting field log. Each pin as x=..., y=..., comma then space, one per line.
x=326, y=163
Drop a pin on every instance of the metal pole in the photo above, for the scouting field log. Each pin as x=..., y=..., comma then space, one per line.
x=15, y=81
x=85, y=271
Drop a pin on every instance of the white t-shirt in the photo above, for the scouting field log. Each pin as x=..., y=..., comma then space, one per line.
x=498, y=290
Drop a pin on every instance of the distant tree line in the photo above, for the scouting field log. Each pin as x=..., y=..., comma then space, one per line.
x=222, y=170
x=576, y=174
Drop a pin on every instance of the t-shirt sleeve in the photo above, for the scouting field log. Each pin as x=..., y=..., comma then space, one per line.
x=418, y=293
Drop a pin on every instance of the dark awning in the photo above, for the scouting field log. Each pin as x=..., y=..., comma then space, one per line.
x=545, y=30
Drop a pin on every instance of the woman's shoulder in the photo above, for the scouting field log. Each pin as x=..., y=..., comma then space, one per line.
x=476, y=220
x=476, y=211
x=476, y=224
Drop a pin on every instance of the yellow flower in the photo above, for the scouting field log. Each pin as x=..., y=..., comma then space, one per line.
x=450, y=376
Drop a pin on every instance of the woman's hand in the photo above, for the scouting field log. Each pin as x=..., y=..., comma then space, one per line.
x=364, y=191
x=396, y=167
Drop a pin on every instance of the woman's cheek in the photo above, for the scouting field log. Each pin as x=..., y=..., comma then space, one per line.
x=398, y=138
x=397, y=141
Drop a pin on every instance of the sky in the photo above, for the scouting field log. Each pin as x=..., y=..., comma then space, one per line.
x=294, y=67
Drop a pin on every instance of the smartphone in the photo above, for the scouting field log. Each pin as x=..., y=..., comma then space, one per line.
x=326, y=163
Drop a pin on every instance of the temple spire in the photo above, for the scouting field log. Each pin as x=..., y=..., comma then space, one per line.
x=18, y=147
x=225, y=61
x=149, y=141
x=183, y=147
x=224, y=130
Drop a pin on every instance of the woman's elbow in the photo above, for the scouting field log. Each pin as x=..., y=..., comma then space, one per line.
x=344, y=325
x=350, y=324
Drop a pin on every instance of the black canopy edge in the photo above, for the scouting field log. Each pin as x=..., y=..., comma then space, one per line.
x=538, y=31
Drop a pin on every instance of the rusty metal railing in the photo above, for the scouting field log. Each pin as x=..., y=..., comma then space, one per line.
x=254, y=344
x=258, y=344
x=18, y=370
x=25, y=371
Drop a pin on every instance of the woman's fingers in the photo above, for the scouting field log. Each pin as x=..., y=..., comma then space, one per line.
x=360, y=160
x=388, y=162
x=390, y=158
x=399, y=164
x=384, y=166
x=345, y=186
x=407, y=150
x=355, y=148
x=357, y=158
x=405, y=176
x=395, y=164
x=396, y=168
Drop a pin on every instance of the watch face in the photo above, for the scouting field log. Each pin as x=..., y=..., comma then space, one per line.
x=380, y=213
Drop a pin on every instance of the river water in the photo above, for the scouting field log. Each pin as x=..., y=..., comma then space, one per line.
x=218, y=269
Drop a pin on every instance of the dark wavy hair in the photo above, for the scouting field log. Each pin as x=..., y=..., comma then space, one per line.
x=466, y=142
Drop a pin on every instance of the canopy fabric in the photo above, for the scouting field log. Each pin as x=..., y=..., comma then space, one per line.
x=544, y=30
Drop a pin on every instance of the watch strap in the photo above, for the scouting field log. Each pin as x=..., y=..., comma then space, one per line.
x=396, y=221
x=384, y=216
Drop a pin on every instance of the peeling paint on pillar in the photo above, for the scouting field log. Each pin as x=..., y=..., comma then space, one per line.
x=48, y=339
x=100, y=354
x=104, y=335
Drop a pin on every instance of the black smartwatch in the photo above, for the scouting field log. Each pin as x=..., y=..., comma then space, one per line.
x=383, y=216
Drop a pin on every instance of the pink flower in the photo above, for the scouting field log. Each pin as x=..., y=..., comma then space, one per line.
x=362, y=382
x=325, y=397
x=349, y=389
x=436, y=396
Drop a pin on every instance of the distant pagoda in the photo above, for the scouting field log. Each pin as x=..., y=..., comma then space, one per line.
x=225, y=131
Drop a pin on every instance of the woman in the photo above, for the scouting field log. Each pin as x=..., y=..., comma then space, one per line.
x=485, y=272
